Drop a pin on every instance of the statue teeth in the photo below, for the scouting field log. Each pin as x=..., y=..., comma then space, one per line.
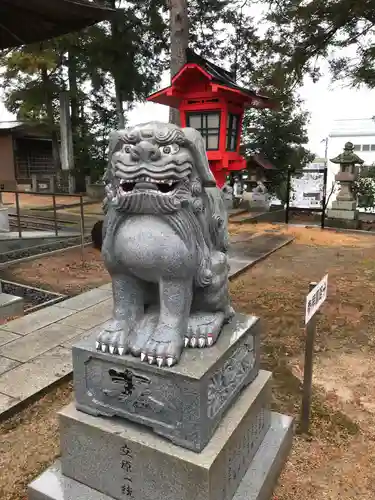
x=186, y=341
x=143, y=356
x=159, y=362
x=150, y=360
x=169, y=362
x=97, y=345
x=121, y=350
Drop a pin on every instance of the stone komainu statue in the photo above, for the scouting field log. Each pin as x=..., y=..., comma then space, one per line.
x=165, y=243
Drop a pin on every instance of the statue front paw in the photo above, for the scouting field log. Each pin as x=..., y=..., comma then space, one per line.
x=164, y=347
x=114, y=338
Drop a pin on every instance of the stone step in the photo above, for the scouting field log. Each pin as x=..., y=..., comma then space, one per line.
x=257, y=484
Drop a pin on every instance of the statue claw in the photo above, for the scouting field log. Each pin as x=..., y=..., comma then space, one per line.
x=143, y=356
x=193, y=342
x=97, y=345
x=170, y=362
x=186, y=341
x=210, y=341
x=201, y=342
x=159, y=361
x=112, y=349
x=103, y=348
x=121, y=350
x=150, y=360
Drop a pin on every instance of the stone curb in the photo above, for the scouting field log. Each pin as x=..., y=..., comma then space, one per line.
x=260, y=259
x=4, y=265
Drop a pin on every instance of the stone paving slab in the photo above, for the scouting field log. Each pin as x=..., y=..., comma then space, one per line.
x=32, y=345
x=35, y=350
x=29, y=378
x=7, y=364
x=87, y=299
x=6, y=337
x=90, y=317
x=37, y=320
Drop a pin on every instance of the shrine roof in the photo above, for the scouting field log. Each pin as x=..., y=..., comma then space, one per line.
x=261, y=161
x=218, y=75
x=30, y=21
x=223, y=79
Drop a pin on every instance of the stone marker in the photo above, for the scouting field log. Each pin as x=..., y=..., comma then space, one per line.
x=345, y=205
x=170, y=401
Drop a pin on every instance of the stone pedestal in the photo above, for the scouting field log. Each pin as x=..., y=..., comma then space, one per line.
x=4, y=219
x=184, y=403
x=215, y=400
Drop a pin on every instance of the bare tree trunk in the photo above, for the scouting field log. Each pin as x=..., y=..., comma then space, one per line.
x=51, y=119
x=179, y=26
x=118, y=93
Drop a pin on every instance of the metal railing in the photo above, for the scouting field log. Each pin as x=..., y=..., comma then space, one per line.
x=55, y=219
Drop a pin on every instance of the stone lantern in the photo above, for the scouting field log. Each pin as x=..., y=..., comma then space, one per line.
x=345, y=205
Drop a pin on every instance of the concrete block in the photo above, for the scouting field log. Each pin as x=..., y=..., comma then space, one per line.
x=257, y=484
x=10, y=305
x=28, y=378
x=184, y=403
x=342, y=214
x=121, y=459
x=36, y=320
x=344, y=205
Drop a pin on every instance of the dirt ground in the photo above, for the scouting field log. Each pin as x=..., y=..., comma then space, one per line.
x=63, y=272
x=336, y=461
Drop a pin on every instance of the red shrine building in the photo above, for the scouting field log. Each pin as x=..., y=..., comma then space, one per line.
x=210, y=101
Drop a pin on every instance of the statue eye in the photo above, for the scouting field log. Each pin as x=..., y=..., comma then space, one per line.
x=170, y=149
x=127, y=148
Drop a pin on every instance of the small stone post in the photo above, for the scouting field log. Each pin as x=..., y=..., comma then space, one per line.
x=345, y=205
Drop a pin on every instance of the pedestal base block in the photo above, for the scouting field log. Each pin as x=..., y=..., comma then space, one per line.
x=123, y=459
x=342, y=214
x=257, y=484
x=344, y=205
x=184, y=403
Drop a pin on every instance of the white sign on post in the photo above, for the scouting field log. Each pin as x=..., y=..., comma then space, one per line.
x=316, y=298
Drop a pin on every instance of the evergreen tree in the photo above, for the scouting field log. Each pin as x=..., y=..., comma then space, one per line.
x=304, y=32
x=280, y=134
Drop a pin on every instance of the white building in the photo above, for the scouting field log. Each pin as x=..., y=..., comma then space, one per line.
x=359, y=131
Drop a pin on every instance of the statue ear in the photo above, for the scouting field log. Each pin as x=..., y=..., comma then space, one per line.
x=197, y=147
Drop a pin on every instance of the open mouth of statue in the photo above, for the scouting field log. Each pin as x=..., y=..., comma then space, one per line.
x=147, y=184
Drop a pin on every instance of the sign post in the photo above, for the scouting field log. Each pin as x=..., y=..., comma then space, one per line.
x=316, y=297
